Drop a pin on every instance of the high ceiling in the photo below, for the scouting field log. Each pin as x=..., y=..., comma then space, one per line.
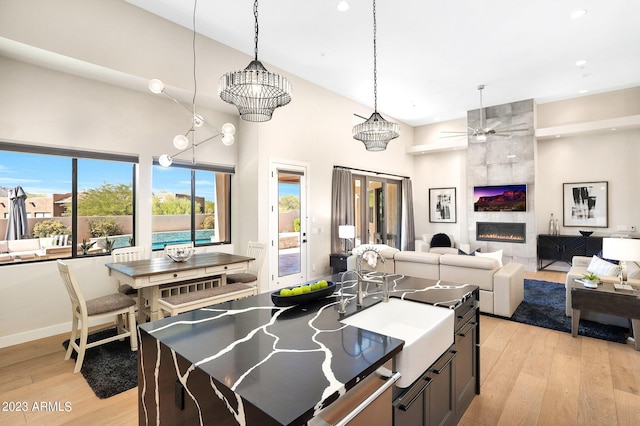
x=432, y=55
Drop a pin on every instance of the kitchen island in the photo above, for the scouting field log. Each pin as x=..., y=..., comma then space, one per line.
x=250, y=362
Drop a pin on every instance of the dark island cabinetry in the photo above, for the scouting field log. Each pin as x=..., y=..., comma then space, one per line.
x=443, y=393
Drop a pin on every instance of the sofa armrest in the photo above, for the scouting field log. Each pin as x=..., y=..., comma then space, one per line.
x=508, y=289
x=421, y=246
x=471, y=262
x=580, y=261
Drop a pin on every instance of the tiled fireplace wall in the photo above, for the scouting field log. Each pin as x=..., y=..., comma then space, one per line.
x=503, y=160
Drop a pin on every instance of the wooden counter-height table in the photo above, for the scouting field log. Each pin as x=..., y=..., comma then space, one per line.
x=154, y=276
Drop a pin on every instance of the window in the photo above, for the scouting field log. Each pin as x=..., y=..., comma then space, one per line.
x=191, y=203
x=77, y=203
x=376, y=205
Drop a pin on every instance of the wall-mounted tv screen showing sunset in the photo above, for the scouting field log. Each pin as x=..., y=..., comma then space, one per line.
x=500, y=198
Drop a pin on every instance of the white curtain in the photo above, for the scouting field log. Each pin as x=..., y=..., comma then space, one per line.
x=407, y=230
x=341, y=205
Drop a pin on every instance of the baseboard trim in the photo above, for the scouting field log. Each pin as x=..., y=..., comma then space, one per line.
x=40, y=333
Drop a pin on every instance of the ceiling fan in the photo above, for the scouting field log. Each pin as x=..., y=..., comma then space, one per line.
x=483, y=131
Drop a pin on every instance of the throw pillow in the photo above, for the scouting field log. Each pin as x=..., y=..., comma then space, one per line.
x=473, y=253
x=615, y=262
x=440, y=240
x=497, y=255
x=601, y=267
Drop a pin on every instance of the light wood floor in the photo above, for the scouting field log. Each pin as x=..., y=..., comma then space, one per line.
x=529, y=376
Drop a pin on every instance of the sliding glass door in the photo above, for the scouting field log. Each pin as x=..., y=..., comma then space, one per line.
x=377, y=210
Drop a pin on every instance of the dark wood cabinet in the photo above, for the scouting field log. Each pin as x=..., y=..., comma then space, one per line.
x=430, y=400
x=444, y=392
x=467, y=364
x=562, y=248
x=442, y=401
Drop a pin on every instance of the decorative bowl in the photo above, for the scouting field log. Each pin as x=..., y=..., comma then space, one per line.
x=586, y=233
x=282, y=301
x=180, y=255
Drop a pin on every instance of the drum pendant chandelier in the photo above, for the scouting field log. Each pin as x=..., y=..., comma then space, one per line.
x=376, y=132
x=255, y=91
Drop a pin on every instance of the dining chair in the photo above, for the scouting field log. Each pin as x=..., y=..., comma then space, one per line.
x=126, y=254
x=252, y=274
x=172, y=248
x=83, y=311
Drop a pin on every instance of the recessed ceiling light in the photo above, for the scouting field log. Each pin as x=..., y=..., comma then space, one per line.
x=581, y=63
x=578, y=13
x=557, y=136
x=614, y=129
x=343, y=6
x=583, y=91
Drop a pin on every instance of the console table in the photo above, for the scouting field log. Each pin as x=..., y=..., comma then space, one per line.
x=562, y=248
x=606, y=299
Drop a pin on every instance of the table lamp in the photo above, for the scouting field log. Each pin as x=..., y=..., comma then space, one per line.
x=346, y=232
x=623, y=250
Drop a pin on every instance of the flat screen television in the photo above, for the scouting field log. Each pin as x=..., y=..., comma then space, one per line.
x=500, y=198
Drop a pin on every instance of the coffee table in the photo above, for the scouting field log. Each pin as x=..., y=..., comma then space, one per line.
x=606, y=299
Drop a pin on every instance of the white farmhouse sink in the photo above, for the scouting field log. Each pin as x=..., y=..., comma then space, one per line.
x=427, y=332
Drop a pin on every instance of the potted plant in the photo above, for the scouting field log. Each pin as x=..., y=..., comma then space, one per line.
x=108, y=244
x=590, y=280
x=86, y=245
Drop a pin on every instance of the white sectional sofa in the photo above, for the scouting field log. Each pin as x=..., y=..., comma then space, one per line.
x=501, y=287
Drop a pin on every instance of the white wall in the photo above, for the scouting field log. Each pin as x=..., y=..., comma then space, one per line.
x=611, y=156
x=445, y=169
x=606, y=155
x=316, y=129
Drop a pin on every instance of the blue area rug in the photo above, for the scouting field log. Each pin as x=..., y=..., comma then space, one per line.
x=544, y=306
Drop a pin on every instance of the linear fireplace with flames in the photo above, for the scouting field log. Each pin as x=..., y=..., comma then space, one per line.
x=501, y=231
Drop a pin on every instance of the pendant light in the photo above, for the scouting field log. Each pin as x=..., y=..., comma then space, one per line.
x=255, y=91
x=181, y=142
x=376, y=132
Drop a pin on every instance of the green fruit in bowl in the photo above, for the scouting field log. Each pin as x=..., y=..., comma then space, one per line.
x=296, y=291
x=323, y=283
x=314, y=286
x=305, y=289
x=285, y=292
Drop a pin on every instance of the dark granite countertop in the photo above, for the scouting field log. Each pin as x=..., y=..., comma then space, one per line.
x=290, y=362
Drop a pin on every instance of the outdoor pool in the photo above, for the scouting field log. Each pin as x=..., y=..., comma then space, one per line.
x=160, y=239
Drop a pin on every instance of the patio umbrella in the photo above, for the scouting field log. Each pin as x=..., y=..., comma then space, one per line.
x=17, y=226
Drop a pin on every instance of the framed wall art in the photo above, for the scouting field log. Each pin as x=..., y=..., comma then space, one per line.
x=585, y=204
x=442, y=205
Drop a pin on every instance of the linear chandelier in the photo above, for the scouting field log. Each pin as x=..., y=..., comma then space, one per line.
x=181, y=142
x=376, y=132
x=255, y=91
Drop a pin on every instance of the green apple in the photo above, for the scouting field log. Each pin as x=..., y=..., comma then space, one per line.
x=296, y=291
x=285, y=292
x=305, y=289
